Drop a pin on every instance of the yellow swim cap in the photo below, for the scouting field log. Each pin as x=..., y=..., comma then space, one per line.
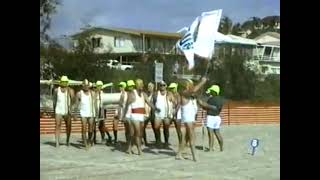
x=99, y=83
x=64, y=79
x=214, y=88
x=123, y=84
x=130, y=83
x=173, y=85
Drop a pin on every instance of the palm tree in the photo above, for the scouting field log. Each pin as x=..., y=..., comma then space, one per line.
x=225, y=25
x=271, y=22
x=236, y=29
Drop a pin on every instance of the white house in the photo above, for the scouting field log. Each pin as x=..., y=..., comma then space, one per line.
x=267, y=52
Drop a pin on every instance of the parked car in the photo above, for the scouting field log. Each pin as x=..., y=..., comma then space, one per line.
x=115, y=64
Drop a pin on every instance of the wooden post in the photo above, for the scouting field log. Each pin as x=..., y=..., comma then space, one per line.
x=143, y=44
x=229, y=113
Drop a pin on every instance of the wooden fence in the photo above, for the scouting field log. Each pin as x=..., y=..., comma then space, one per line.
x=233, y=113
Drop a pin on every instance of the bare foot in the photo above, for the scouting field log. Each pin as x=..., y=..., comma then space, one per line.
x=179, y=156
x=195, y=159
x=140, y=153
x=129, y=151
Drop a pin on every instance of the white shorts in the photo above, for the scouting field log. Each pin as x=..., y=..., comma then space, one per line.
x=179, y=114
x=213, y=122
x=137, y=117
x=188, y=117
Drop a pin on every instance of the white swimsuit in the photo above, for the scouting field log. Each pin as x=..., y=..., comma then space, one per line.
x=139, y=103
x=86, y=108
x=62, y=104
x=188, y=112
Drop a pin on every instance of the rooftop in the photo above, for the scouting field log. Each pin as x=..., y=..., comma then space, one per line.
x=272, y=34
x=130, y=31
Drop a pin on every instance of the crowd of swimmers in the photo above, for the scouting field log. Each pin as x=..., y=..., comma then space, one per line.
x=177, y=103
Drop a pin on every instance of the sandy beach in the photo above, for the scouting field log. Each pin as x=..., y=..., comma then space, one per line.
x=103, y=162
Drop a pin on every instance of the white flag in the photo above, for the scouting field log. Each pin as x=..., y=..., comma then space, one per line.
x=204, y=45
x=200, y=37
x=187, y=42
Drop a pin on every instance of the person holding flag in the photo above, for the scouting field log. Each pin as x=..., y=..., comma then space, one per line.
x=63, y=99
x=213, y=106
x=187, y=90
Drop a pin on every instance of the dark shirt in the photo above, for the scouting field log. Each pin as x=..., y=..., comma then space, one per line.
x=217, y=102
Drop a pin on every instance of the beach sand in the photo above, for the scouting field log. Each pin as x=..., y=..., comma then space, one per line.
x=103, y=162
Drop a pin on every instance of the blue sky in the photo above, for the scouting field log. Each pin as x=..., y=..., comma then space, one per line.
x=156, y=15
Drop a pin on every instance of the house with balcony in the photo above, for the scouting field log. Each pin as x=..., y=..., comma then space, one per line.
x=267, y=53
x=127, y=44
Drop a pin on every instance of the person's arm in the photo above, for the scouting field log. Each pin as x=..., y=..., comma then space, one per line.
x=72, y=99
x=77, y=101
x=121, y=100
x=148, y=102
x=206, y=105
x=178, y=99
x=130, y=100
x=200, y=85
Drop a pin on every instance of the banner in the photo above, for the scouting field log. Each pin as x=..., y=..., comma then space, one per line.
x=158, y=72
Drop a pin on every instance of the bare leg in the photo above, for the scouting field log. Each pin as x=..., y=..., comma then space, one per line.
x=58, y=128
x=166, y=126
x=84, y=132
x=157, y=123
x=177, y=124
x=152, y=125
x=144, y=134
x=68, y=128
x=115, y=130
x=137, y=136
x=127, y=130
x=211, y=139
x=219, y=137
x=131, y=137
x=94, y=131
x=190, y=132
x=90, y=129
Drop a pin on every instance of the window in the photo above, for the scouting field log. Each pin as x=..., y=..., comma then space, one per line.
x=264, y=69
x=118, y=42
x=96, y=42
x=276, y=54
x=267, y=51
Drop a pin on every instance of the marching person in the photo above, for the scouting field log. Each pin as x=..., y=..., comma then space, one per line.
x=149, y=113
x=187, y=90
x=120, y=113
x=100, y=115
x=86, y=103
x=163, y=100
x=136, y=102
x=213, y=106
x=173, y=88
x=63, y=99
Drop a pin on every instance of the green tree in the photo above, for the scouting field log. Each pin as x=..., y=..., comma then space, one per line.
x=225, y=25
x=47, y=8
x=236, y=29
